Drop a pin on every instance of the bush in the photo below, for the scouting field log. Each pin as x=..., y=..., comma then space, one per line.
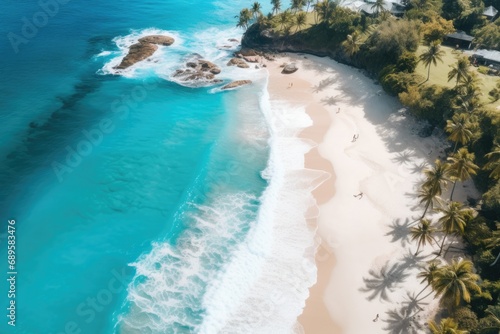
x=470, y=19
x=430, y=103
x=386, y=44
x=452, y=9
x=483, y=260
x=466, y=319
x=343, y=22
x=395, y=83
x=476, y=231
x=488, y=36
x=436, y=29
x=407, y=62
x=491, y=200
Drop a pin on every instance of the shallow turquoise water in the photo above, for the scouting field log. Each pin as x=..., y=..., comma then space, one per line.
x=160, y=166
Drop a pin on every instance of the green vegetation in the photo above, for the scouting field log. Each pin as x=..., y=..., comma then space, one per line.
x=450, y=57
x=439, y=85
x=431, y=56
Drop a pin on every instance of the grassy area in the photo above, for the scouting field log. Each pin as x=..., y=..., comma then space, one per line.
x=439, y=74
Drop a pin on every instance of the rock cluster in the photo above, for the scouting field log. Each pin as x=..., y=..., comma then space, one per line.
x=157, y=39
x=236, y=84
x=198, y=70
x=238, y=62
x=144, y=48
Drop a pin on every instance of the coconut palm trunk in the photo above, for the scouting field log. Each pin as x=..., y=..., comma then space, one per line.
x=442, y=244
x=427, y=295
x=426, y=208
x=453, y=190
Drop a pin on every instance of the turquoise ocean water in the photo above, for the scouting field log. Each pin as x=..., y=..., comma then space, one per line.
x=135, y=198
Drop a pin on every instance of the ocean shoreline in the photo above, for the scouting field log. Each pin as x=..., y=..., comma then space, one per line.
x=279, y=88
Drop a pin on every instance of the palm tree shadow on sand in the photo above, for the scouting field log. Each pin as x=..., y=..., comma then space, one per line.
x=410, y=260
x=419, y=168
x=412, y=304
x=404, y=157
x=401, y=322
x=400, y=231
x=329, y=101
x=380, y=284
x=324, y=84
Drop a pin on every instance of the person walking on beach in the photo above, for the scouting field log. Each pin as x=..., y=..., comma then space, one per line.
x=359, y=196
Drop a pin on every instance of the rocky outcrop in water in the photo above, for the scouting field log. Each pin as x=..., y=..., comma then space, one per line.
x=207, y=66
x=144, y=48
x=236, y=84
x=198, y=72
x=238, y=62
x=157, y=39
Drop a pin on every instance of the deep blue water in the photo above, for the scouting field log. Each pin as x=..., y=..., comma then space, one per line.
x=157, y=165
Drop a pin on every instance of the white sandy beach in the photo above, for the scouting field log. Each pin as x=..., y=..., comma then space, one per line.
x=365, y=265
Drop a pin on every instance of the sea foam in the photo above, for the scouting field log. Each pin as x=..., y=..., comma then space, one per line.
x=244, y=264
x=213, y=44
x=279, y=250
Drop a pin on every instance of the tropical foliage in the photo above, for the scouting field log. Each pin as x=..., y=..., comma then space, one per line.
x=431, y=56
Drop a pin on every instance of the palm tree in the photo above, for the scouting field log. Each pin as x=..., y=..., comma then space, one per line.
x=460, y=70
x=455, y=282
x=493, y=163
x=462, y=167
x=460, y=129
x=300, y=20
x=256, y=7
x=469, y=92
x=297, y=5
x=276, y=6
x=422, y=233
x=446, y=326
x=244, y=18
x=378, y=6
x=428, y=275
x=427, y=196
x=324, y=10
x=431, y=56
x=437, y=177
x=285, y=18
x=351, y=44
x=453, y=220
x=494, y=242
